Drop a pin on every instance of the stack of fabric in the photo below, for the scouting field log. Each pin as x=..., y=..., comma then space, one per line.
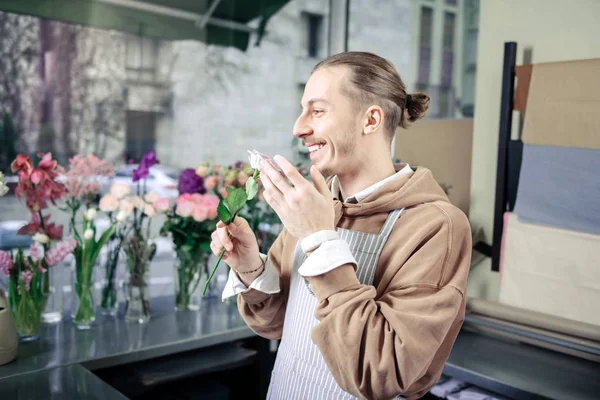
x=551, y=242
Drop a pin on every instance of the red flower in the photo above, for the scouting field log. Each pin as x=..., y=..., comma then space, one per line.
x=39, y=185
x=22, y=164
x=51, y=229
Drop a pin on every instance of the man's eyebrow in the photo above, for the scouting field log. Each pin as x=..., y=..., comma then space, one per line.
x=315, y=100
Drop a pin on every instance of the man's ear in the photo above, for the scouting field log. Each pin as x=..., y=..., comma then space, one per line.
x=373, y=120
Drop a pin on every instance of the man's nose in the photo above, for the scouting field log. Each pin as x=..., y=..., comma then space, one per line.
x=301, y=128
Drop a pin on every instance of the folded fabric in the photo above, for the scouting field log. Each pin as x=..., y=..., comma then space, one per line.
x=550, y=270
x=559, y=187
x=447, y=387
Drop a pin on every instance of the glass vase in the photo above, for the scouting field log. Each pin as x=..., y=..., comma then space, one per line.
x=52, y=285
x=26, y=309
x=139, y=252
x=83, y=309
x=109, y=303
x=189, y=281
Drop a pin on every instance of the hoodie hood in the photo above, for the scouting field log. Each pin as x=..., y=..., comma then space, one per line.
x=403, y=192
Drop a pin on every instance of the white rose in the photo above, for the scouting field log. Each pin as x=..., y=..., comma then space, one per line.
x=90, y=214
x=150, y=197
x=120, y=190
x=126, y=206
x=122, y=216
x=255, y=159
x=150, y=211
x=41, y=238
x=88, y=234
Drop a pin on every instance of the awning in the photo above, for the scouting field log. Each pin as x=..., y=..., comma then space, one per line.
x=219, y=22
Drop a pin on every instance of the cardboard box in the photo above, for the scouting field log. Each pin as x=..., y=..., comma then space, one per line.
x=444, y=147
x=563, y=105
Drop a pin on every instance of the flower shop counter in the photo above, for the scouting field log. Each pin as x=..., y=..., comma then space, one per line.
x=112, y=342
x=70, y=382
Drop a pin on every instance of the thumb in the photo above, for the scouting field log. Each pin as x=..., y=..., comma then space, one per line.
x=319, y=181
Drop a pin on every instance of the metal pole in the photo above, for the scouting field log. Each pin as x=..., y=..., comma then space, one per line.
x=506, y=109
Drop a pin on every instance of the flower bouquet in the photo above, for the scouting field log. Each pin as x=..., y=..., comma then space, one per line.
x=82, y=187
x=26, y=292
x=3, y=186
x=40, y=186
x=138, y=245
x=190, y=224
x=116, y=205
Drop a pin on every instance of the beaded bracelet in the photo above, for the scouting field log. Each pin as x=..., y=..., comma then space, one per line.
x=254, y=270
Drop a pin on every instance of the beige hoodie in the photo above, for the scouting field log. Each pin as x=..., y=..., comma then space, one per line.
x=395, y=336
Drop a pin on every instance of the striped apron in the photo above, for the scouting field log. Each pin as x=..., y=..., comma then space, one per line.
x=300, y=372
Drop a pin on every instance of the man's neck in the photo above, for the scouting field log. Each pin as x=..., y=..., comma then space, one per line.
x=352, y=183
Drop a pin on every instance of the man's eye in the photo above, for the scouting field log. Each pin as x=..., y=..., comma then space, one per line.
x=317, y=112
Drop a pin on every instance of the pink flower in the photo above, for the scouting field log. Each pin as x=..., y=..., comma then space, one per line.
x=109, y=203
x=185, y=209
x=60, y=251
x=53, y=231
x=162, y=204
x=35, y=252
x=200, y=213
x=211, y=182
x=6, y=263
x=149, y=211
x=223, y=192
x=126, y=205
x=84, y=174
x=184, y=198
x=26, y=278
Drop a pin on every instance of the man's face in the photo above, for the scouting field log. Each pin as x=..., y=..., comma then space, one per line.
x=328, y=124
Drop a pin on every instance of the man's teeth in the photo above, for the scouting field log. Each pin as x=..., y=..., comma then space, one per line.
x=316, y=147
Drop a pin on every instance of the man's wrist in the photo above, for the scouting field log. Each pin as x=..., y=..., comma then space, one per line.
x=248, y=276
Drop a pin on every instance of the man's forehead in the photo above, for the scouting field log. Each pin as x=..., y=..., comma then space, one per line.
x=323, y=85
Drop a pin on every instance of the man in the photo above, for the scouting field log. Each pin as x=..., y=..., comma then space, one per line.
x=366, y=284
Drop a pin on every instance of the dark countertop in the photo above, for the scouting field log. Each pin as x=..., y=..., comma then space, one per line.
x=112, y=341
x=63, y=383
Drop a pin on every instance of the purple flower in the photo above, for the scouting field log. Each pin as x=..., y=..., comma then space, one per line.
x=143, y=170
x=238, y=164
x=149, y=159
x=140, y=173
x=190, y=182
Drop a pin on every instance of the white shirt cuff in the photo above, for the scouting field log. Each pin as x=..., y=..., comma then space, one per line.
x=313, y=241
x=267, y=282
x=328, y=256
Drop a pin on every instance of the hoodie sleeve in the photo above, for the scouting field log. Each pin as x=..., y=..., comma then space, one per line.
x=264, y=313
x=380, y=346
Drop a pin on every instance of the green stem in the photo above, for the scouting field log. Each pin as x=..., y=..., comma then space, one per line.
x=213, y=272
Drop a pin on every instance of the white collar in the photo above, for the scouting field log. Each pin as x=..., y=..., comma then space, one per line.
x=360, y=196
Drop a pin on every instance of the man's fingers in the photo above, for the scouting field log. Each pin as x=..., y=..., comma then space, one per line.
x=291, y=172
x=225, y=239
x=278, y=182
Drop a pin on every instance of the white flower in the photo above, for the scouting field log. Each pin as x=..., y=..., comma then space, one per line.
x=126, y=205
x=150, y=197
x=120, y=190
x=3, y=185
x=255, y=159
x=90, y=214
x=88, y=234
x=122, y=216
x=41, y=238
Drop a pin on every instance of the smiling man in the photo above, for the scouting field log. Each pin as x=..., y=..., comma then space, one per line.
x=366, y=284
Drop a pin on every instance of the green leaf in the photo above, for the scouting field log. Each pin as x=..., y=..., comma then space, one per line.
x=205, y=247
x=236, y=201
x=101, y=242
x=229, y=189
x=223, y=213
x=251, y=188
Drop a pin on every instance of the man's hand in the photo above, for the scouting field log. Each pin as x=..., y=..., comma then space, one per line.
x=241, y=248
x=303, y=208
